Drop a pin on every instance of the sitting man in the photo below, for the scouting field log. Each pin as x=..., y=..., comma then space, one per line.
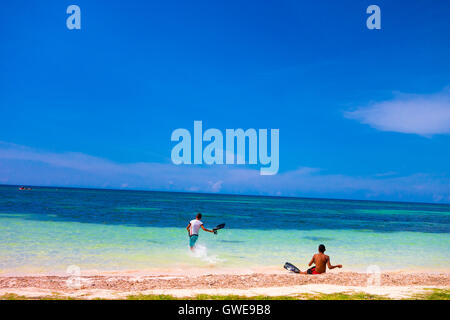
x=321, y=262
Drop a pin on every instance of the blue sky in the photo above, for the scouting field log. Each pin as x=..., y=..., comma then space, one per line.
x=363, y=114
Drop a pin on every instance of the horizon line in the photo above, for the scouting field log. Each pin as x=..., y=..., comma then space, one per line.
x=220, y=194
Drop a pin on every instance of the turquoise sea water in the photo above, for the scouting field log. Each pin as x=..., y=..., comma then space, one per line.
x=47, y=229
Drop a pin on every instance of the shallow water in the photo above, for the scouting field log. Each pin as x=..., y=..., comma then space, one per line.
x=47, y=229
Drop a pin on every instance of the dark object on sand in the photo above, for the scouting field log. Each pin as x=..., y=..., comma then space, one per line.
x=291, y=267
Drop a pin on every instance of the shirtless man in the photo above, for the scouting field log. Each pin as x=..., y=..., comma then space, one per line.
x=321, y=262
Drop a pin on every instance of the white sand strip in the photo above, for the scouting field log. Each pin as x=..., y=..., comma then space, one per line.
x=393, y=292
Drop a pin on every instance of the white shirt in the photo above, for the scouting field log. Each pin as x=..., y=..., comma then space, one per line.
x=195, y=226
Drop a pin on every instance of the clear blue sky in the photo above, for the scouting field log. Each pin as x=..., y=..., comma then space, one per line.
x=354, y=106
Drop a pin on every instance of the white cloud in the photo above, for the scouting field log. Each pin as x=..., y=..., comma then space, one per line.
x=424, y=115
x=23, y=165
x=216, y=186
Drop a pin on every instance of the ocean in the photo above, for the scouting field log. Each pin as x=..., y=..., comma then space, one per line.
x=45, y=230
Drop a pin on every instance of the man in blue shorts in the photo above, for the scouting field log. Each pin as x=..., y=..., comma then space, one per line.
x=193, y=228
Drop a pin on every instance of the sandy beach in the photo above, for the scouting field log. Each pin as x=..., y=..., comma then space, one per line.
x=395, y=285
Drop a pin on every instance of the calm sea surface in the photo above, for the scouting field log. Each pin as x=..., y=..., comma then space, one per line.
x=47, y=229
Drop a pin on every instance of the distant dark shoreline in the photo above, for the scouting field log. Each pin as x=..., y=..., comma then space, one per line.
x=223, y=194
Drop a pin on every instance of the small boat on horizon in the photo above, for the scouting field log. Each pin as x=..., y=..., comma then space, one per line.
x=24, y=188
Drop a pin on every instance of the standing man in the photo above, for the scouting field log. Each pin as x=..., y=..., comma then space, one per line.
x=193, y=228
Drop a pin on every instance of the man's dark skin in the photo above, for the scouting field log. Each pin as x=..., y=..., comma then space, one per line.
x=321, y=261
